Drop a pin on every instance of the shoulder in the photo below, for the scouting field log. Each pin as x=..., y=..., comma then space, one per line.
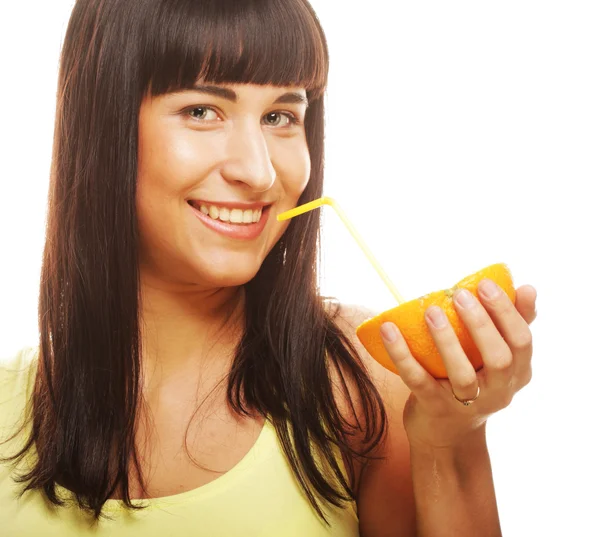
x=16, y=371
x=391, y=387
x=17, y=374
x=385, y=498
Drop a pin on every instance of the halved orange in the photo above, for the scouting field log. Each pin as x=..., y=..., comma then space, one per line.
x=410, y=319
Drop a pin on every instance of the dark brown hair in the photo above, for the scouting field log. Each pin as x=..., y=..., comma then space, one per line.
x=87, y=390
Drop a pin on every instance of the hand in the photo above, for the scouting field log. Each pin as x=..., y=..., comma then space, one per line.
x=433, y=418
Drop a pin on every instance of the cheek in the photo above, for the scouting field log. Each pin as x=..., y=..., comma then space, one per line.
x=168, y=162
x=163, y=162
x=295, y=170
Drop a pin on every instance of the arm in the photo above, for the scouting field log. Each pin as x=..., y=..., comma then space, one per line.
x=454, y=490
x=417, y=492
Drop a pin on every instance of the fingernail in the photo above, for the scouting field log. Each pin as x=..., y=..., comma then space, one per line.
x=464, y=298
x=436, y=316
x=389, y=332
x=488, y=288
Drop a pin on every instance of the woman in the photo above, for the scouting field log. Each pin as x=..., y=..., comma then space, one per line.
x=189, y=377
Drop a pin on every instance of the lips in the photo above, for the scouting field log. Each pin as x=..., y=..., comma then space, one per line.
x=234, y=231
x=243, y=206
x=237, y=215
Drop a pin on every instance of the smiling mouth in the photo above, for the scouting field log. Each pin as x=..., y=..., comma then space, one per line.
x=228, y=215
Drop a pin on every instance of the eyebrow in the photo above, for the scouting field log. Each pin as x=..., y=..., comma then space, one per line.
x=291, y=97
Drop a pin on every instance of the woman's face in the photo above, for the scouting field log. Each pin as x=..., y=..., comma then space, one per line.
x=225, y=153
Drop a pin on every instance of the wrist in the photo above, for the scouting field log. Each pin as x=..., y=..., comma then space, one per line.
x=466, y=444
x=461, y=466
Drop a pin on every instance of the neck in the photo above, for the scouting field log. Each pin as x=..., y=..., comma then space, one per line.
x=187, y=330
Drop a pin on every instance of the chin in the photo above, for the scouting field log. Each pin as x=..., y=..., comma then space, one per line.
x=227, y=272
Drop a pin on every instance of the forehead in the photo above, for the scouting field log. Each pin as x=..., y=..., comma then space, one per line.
x=239, y=91
x=240, y=45
x=236, y=93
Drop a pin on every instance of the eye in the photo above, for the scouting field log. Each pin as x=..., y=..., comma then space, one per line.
x=204, y=109
x=201, y=114
x=293, y=120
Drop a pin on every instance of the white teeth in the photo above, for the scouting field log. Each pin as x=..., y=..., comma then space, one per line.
x=214, y=212
x=224, y=214
x=235, y=216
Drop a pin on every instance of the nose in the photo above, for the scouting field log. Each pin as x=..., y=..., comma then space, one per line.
x=249, y=160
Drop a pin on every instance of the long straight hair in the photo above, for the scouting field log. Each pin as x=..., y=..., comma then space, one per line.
x=86, y=394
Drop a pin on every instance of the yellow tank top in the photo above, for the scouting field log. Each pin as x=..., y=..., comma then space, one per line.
x=257, y=497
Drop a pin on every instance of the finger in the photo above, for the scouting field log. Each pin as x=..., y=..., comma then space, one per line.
x=525, y=302
x=513, y=327
x=495, y=352
x=414, y=375
x=461, y=374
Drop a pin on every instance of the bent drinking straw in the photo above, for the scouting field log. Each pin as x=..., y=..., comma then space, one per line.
x=331, y=202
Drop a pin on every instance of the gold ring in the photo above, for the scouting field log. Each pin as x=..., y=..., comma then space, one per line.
x=466, y=402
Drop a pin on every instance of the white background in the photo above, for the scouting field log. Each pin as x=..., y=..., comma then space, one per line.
x=459, y=134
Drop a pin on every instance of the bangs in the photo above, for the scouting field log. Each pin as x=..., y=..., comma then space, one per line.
x=273, y=42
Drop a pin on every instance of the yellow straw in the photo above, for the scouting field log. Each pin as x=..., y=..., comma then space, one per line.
x=329, y=201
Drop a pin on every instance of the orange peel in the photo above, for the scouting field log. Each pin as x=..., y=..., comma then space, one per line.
x=409, y=317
